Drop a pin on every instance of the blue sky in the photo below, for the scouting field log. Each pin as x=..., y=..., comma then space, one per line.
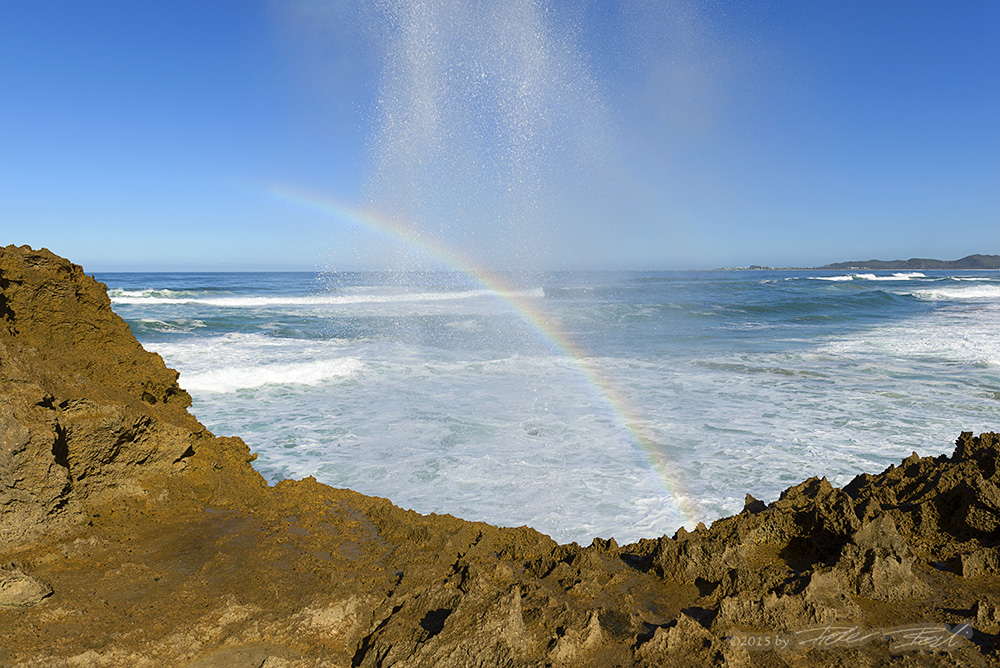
x=149, y=135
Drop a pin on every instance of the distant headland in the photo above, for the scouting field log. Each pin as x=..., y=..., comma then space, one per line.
x=967, y=262
x=913, y=264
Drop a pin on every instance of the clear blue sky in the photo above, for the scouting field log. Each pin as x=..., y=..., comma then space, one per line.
x=146, y=135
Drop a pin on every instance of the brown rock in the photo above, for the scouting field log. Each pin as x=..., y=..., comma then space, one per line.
x=823, y=601
x=20, y=590
x=986, y=614
x=687, y=644
x=878, y=563
x=981, y=561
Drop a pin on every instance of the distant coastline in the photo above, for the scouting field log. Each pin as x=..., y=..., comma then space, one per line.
x=913, y=264
x=967, y=262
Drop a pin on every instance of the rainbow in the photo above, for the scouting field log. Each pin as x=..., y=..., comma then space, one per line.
x=528, y=309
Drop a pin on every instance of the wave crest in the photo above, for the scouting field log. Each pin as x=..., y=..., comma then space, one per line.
x=230, y=379
x=147, y=297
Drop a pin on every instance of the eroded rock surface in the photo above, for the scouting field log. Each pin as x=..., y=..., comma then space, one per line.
x=20, y=590
x=134, y=537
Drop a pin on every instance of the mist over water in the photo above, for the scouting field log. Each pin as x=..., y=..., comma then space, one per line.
x=491, y=138
x=487, y=125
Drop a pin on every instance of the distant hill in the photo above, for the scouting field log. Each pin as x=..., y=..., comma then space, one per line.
x=968, y=262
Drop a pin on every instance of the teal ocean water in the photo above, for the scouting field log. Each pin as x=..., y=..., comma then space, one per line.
x=440, y=395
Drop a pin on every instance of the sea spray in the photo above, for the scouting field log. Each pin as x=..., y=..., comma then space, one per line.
x=485, y=116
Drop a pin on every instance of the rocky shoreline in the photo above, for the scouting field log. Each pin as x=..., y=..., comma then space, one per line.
x=132, y=536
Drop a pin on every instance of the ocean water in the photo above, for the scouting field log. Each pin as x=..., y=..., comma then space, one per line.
x=443, y=396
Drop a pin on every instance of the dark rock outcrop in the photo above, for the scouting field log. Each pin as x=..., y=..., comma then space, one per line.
x=134, y=537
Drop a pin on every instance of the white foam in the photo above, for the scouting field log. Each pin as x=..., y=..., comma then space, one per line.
x=985, y=293
x=948, y=336
x=241, y=360
x=164, y=297
x=464, y=326
x=904, y=276
x=225, y=344
x=174, y=327
x=451, y=434
x=230, y=379
x=151, y=296
x=899, y=276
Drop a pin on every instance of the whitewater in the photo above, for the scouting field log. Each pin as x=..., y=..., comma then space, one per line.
x=434, y=392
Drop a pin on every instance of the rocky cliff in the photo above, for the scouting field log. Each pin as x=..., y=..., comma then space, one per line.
x=131, y=536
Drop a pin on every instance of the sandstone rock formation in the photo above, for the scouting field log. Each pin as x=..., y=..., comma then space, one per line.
x=131, y=536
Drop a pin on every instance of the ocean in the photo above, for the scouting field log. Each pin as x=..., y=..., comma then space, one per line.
x=583, y=404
